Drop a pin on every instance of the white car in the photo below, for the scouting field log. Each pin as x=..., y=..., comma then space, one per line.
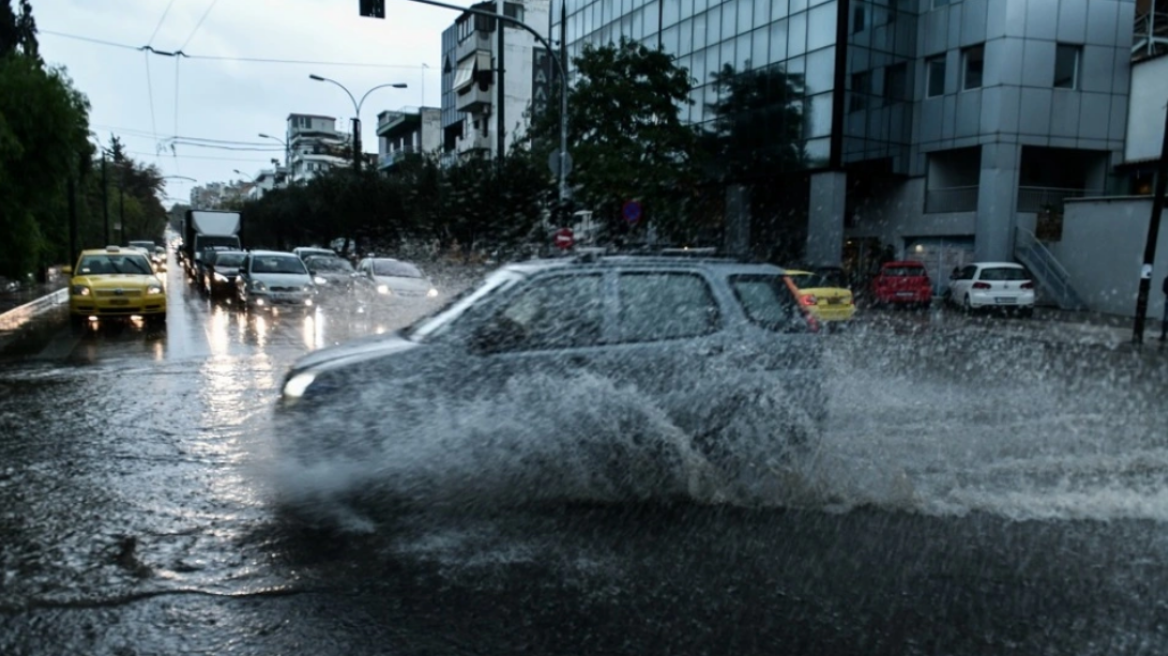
x=393, y=281
x=274, y=279
x=1000, y=285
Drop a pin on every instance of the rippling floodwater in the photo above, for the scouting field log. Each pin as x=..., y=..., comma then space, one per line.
x=978, y=490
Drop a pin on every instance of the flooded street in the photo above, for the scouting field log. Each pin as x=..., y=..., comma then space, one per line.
x=984, y=486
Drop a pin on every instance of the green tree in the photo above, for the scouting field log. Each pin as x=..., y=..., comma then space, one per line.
x=626, y=136
x=756, y=140
x=43, y=142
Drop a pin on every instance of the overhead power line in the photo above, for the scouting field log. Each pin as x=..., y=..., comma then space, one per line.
x=207, y=157
x=252, y=60
x=199, y=24
x=160, y=21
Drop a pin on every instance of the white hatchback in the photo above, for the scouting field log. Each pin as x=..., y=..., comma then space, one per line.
x=1001, y=285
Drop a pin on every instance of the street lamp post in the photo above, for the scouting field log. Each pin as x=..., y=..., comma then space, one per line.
x=287, y=153
x=357, y=112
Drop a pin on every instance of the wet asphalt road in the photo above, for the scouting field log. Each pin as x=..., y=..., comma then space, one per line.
x=984, y=487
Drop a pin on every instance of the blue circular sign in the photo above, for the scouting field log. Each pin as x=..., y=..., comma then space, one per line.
x=631, y=211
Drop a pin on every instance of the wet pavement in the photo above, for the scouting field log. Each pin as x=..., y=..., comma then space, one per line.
x=985, y=486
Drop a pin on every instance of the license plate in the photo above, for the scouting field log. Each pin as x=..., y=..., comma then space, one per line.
x=904, y=293
x=119, y=301
x=833, y=301
x=1003, y=300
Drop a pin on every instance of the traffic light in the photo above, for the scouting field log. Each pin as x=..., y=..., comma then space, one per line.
x=372, y=8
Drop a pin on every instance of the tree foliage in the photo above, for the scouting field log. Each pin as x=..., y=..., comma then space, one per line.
x=469, y=205
x=626, y=136
x=43, y=142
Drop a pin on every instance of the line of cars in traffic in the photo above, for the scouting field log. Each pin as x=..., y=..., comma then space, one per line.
x=305, y=277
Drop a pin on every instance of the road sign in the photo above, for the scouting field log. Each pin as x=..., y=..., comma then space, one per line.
x=554, y=162
x=564, y=239
x=631, y=211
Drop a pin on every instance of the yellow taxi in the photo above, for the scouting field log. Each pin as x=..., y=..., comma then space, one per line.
x=820, y=297
x=115, y=282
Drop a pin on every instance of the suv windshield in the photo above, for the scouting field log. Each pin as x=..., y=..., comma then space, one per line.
x=439, y=322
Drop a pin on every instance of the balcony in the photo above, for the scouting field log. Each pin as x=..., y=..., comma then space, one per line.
x=1037, y=199
x=388, y=160
x=951, y=199
x=475, y=100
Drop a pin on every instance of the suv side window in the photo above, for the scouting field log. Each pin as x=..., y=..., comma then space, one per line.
x=554, y=312
x=667, y=305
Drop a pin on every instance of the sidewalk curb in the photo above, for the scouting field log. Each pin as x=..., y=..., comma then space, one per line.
x=20, y=315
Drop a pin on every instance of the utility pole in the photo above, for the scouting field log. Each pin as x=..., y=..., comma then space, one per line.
x=122, y=202
x=356, y=144
x=104, y=200
x=500, y=96
x=1152, y=239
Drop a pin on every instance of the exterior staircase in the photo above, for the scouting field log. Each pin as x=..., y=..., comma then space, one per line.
x=1053, y=280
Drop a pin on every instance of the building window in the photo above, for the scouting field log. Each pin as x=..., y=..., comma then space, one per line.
x=1066, y=66
x=896, y=83
x=935, y=69
x=861, y=89
x=859, y=18
x=973, y=65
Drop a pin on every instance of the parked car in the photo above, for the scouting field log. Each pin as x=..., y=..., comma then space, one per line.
x=274, y=279
x=220, y=269
x=384, y=279
x=994, y=285
x=718, y=354
x=822, y=297
x=904, y=283
x=332, y=275
x=115, y=282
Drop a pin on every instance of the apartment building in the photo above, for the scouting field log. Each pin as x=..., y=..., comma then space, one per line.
x=937, y=129
x=471, y=96
x=315, y=145
x=407, y=131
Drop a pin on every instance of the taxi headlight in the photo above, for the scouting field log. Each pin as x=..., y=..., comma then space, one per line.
x=79, y=290
x=298, y=384
x=432, y=293
x=154, y=290
x=220, y=277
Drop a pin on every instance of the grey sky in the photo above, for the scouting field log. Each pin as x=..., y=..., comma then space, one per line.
x=237, y=100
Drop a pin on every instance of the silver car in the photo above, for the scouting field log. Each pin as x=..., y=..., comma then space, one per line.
x=626, y=377
x=274, y=279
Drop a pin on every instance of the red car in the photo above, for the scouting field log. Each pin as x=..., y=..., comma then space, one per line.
x=903, y=283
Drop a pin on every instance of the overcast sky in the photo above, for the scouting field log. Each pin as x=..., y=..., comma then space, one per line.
x=147, y=99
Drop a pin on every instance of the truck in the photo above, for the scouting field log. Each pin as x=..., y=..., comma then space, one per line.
x=208, y=228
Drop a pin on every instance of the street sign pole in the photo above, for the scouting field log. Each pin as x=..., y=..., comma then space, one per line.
x=1152, y=239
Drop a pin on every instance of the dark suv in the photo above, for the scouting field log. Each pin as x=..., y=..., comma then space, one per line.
x=685, y=363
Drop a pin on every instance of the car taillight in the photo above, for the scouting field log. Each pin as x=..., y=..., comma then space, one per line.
x=981, y=285
x=1028, y=285
x=808, y=299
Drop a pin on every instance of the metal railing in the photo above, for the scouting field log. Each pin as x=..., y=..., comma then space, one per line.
x=1052, y=275
x=392, y=157
x=1151, y=35
x=1037, y=199
x=951, y=199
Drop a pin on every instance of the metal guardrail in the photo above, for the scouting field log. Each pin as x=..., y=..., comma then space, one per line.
x=20, y=315
x=1051, y=273
x=951, y=199
x=1036, y=199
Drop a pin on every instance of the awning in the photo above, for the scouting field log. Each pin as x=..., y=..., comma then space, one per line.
x=465, y=73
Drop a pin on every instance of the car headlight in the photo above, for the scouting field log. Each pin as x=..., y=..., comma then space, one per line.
x=259, y=286
x=383, y=289
x=154, y=290
x=79, y=290
x=220, y=277
x=298, y=384
x=432, y=293
x=320, y=281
